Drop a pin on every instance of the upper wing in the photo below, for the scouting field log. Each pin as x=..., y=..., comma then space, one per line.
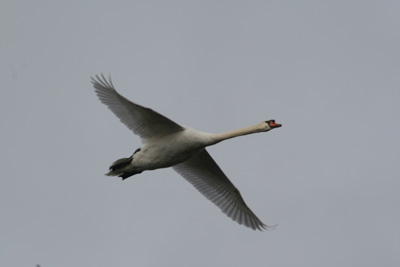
x=142, y=121
x=202, y=172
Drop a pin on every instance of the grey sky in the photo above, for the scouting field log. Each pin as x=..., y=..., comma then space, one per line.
x=328, y=71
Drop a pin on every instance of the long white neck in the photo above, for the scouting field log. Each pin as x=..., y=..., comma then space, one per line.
x=216, y=138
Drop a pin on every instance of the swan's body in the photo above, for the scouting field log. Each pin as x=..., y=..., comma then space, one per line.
x=167, y=151
x=167, y=144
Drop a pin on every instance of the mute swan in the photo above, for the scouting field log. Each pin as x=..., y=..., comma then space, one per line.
x=167, y=144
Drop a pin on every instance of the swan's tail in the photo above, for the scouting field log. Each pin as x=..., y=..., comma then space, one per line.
x=119, y=168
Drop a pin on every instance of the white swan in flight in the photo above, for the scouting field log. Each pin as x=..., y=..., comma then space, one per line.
x=167, y=144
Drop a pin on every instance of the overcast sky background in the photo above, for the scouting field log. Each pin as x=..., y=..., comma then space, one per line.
x=329, y=71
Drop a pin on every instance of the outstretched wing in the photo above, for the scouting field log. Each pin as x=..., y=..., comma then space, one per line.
x=142, y=121
x=204, y=174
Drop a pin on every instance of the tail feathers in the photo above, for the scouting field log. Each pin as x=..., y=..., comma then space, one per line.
x=118, y=168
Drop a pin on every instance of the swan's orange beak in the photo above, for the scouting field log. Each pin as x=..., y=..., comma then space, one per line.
x=272, y=124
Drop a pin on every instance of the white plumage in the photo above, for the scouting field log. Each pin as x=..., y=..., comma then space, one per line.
x=167, y=144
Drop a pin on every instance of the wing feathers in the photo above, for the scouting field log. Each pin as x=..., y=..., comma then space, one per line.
x=204, y=174
x=141, y=120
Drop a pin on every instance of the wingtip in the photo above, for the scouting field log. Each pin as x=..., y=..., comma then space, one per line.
x=100, y=80
x=269, y=227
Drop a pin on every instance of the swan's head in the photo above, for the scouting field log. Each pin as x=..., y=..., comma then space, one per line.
x=271, y=124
